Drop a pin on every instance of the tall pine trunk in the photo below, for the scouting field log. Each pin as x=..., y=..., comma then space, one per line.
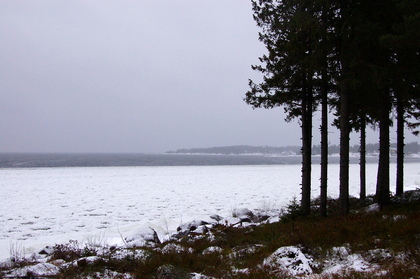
x=382, y=186
x=324, y=147
x=344, y=147
x=346, y=35
x=306, y=153
x=400, y=149
x=363, y=159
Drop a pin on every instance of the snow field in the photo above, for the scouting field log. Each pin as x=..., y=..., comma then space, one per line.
x=45, y=206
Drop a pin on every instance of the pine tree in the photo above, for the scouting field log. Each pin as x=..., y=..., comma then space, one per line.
x=403, y=42
x=368, y=51
x=289, y=31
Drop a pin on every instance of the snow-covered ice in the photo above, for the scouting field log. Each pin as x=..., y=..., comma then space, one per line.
x=45, y=206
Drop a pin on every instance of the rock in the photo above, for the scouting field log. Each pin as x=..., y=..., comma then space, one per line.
x=216, y=217
x=83, y=262
x=262, y=218
x=247, y=216
x=242, y=212
x=192, y=226
x=341, y=252
x=180, y=235
x=290, y=258
x=200, y=230
x=245, y=219
x=143, y=237
x=171, y=272
x=48, y=250
x=407, y=196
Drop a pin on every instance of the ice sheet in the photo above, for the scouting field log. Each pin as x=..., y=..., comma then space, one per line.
x=44, y=206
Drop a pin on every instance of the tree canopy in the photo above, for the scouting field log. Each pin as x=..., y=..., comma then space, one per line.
x=359, y=58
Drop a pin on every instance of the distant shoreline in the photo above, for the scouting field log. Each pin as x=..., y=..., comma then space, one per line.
x=371, y=150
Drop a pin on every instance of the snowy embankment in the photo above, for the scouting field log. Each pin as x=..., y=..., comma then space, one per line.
x=45, y=206
x=76, y=260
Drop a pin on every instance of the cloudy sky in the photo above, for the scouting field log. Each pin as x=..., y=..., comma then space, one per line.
x=131, y=76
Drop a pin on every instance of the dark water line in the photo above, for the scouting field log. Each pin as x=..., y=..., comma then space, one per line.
x=46, y=160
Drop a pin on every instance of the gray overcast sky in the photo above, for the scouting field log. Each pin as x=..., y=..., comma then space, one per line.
x=131, y=76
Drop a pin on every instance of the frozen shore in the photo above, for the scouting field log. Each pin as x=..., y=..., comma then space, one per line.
x=44, y=206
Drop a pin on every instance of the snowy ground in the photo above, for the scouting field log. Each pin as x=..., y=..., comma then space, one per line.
x=44, y=206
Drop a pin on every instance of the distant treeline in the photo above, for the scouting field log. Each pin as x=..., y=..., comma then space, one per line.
x=410, y=148
x=242, y=149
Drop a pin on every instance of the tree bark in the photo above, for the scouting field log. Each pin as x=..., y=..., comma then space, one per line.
x=344, y=147
x=324, y=149
x=306, y=151
x=400, y=149
x=363, y=160
x=382, y=186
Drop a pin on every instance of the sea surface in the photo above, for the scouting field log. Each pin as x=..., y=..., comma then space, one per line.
x=34, y=160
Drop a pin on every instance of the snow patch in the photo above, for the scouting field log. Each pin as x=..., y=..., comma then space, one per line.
x=292, y=259
x=212, y=250
x=373, y=208
x=38, y=270
x=341, y=258
x=175, y=248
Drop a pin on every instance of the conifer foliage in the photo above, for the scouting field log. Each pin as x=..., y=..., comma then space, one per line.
x=358, y=58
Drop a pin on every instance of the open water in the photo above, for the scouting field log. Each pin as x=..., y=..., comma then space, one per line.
x=34, y=160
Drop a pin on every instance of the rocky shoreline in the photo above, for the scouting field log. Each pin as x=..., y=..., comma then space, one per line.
x=292, y=260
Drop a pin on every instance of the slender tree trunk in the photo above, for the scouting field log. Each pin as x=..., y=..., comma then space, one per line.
x=346, y=31
x=324, y=149
x=363, y=159
x=382, y=186
x=306, y=153
x=306, y=167
x=400, y=149
x=344, y=147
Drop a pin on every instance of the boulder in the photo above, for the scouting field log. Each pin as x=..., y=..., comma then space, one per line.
x=192, y=226
x=216, y=217
x=242, y=213
x=143, y=237
x=291, y=259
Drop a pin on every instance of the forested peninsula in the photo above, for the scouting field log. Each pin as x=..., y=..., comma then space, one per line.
x=410, y=149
